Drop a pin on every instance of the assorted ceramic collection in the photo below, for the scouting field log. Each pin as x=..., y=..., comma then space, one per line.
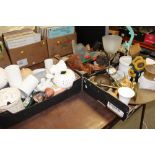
x=42, y=84
x=133, y=71
x=39, y=85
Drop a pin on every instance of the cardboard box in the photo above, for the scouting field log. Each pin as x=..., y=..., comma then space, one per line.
x=30, y=54
x=58, y=31
x=61, y=45
x=4, y=58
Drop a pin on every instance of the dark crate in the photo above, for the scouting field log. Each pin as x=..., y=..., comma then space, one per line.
x=119, y=108
x=8, y=119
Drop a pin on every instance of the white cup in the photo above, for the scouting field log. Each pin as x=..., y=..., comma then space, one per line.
x=125, y=94
x=13, y=75
x=48, y=63
x=124, y=63
x=29, y=84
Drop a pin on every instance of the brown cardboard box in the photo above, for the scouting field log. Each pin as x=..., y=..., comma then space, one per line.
x=30, y=54
x=4, y=59
x=61, y=46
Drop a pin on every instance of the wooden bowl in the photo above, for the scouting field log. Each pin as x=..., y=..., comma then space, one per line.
x=103, y=79
x=149, y=72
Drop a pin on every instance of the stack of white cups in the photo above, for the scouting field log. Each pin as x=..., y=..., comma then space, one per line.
x=15, y=80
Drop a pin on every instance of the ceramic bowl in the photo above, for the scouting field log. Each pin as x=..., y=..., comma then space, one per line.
x=39, y=73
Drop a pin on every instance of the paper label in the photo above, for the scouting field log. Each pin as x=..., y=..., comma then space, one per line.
x=115, y=109
x=54, y=32
x=22, y=62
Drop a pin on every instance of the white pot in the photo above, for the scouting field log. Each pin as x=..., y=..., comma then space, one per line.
x=124, y=63
x=125, y=94
x=65, y=79
x=3, y=78
x=13, y=75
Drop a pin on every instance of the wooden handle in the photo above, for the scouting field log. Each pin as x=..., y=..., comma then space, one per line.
x=104, y=85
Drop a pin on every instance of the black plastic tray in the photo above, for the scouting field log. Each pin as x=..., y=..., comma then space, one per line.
x=112, y=103
x=8, y=119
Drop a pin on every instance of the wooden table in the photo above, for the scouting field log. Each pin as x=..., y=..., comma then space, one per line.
x=79, y=111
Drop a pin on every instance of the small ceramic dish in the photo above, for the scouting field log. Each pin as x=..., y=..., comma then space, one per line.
x=39, y=73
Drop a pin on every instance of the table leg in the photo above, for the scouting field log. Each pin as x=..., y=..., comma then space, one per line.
x=142, y=116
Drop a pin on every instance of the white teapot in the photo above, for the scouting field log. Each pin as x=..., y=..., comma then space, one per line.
x=65, y=79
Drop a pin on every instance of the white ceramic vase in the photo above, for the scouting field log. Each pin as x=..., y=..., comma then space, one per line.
x=13, y=75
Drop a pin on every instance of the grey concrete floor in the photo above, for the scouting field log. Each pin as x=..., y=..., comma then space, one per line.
x=134, y=121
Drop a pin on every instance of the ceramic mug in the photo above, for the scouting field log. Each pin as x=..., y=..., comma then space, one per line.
x=125, y=94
